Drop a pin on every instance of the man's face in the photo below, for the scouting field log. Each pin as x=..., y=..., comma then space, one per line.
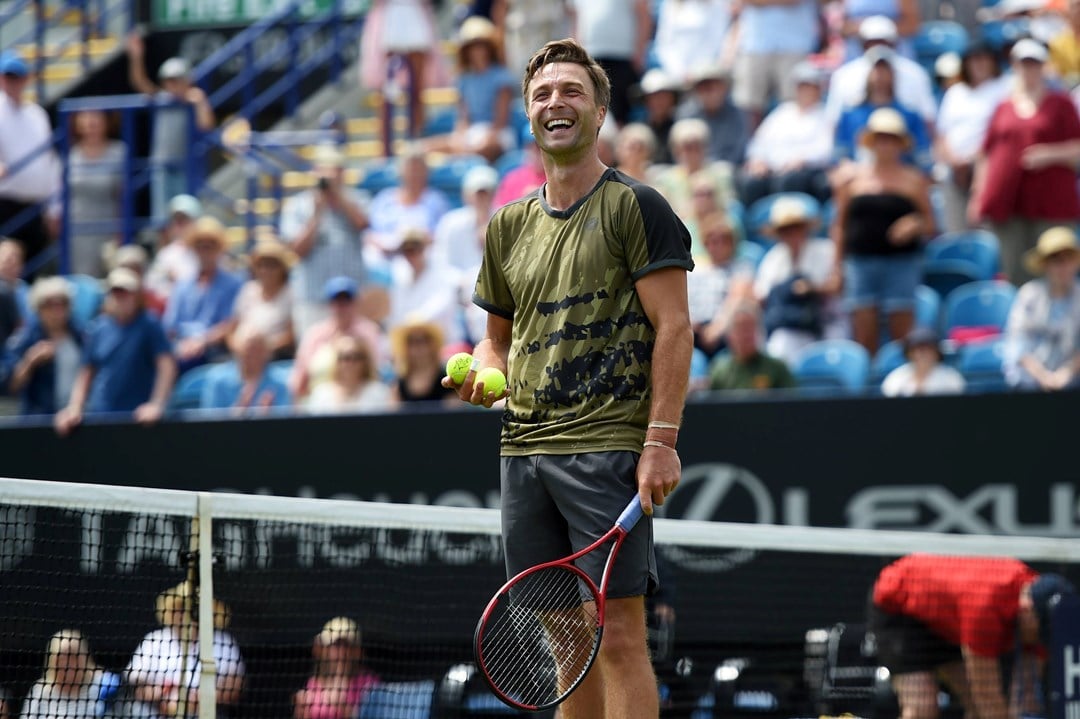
x=15, y=85
x=742, y=337
x=711, y=93
x=11, y=260
x=176, y=86
x=562, y=109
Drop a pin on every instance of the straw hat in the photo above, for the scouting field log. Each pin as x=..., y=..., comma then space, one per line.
x=885, y=121
x=400, y=333
x=207, y=228
x=339, y=629
x=1054, y=241
x=48, y=288
x=273, y=249
x=787, y=211
x=477, y=29
x=182, y=598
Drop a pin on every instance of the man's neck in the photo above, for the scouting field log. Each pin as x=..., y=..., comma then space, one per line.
x=568, y=183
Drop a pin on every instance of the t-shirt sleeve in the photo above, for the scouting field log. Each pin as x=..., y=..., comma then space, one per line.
x=159, y=343
x=492, y=293
x=656, y=237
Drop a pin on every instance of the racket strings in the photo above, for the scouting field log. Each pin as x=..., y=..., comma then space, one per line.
x=540, y=637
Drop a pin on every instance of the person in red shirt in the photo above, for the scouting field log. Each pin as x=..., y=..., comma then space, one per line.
x=953, y=618
x=1025, y=176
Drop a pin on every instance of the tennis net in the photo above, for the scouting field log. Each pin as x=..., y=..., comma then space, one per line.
x=753, y=620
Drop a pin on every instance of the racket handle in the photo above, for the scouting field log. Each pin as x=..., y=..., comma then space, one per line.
x=630, y=515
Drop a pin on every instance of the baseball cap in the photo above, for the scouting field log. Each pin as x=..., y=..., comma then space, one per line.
x=12, y=63
x=1028, y=49
x=339, y=629
x=656, y=80
x=340, y=285
x=481, y=177
x=173, y=68
x=806, y=73
x=123, y=279
x=186, y=205
x=1045, y=593
x=878, y=27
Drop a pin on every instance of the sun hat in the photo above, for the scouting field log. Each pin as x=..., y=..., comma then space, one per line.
x=885, y=121
x=48, y=288
x=273, y=249
x=878, y=28
x=414, y=323
x=1051, y=242
x=477, y=29
x=1028, y=49
x=656, y=80
x=207, y=228
x=339, y=629
x=787, y=212
x=123, y=279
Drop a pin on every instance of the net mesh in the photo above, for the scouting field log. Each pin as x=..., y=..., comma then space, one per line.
x=321, y=609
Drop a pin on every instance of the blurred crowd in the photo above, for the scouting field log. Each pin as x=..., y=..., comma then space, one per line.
x=818, y=154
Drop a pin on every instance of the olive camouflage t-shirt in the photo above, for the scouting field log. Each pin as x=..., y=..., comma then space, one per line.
x=581, y=349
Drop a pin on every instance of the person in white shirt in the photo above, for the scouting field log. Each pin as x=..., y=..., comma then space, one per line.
x=165, y=668
x=421, y=288
x=797, y=283
x=174, y=261
x=691, y=34
x=458, y=235
x=718, y=283
x=923, y=373
x=965, y=113
x=29, y=168
x=355, y=385
x=913, y=88
x=72, y=685
x=793, y=146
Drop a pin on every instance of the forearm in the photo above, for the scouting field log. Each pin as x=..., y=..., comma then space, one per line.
x=204, y=116
x=492, y=352
x=139, y=79
x=670, y=371
x=21, y=376
x=163, y=380
x=354, y=215
x=80, y=389
x=305, y=241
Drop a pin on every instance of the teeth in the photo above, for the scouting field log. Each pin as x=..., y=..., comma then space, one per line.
x=558, y=123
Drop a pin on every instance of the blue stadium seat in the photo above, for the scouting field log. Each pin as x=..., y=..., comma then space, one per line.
x=937, y=37
x=379, y=175
x=927, y=307
x=187, y=394
x=86, y=302
x=399, y=700
x=979, y=304
x=280, y=370
x=999, y=33
x=756, y=219
x=509, y=161
x=981, y=365
x=956, y=258
x=835, y=364
x=889, y=356
x=448, y=176
x=441, y=123
x=750, y=253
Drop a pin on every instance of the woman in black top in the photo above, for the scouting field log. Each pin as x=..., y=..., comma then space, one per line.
x=416, y=346
x=882, y=215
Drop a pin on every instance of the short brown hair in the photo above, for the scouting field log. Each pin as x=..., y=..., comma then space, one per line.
x=568, y=50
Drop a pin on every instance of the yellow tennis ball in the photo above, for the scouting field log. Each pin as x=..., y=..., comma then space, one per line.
x=492, y=379
x=458, y=366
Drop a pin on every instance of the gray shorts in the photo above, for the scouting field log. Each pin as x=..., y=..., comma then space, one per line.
x=554, y=505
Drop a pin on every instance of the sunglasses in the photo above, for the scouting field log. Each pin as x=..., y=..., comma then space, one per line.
x=352, y=357
x=418, y=340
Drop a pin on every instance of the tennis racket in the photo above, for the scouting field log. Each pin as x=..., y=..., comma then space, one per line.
x=540, y=634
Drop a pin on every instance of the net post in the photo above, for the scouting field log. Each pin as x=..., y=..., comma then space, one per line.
x=208, y=670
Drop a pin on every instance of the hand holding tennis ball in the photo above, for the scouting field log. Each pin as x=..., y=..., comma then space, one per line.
x=458, y=366
x=494, y=381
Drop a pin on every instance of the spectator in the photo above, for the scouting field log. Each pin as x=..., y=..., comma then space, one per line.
x=966, y=109
x=165, y=668
x=458, y=236
x=958, y=617
x=400, y=38
x=1043, y=332
x=96, y=166
x=797, y=283
x=529, y=24
x=324, y=227
x=660, y=96
x=421, y=288
x=355, y=385
x=175, y=261
x=705, y=200
x=29, y=169
x=198, y=315
x=717, y=284
x=339, y=683
x=485, y=90
x=179, y=104
x=728, y=130
x=1065, y=48
x=1035, y=129
x=43, y=358
x=691, y=34
x=135, y=258
x=617, y=34
x=913, y=88
x=773, y=37
x=904, y=14
x=416, y=344
x=522, y=180
x=635, y=151
x=689, y=143
x=264, y=303
x=12, y=289
x=947, y=69
x=924, y=372
x=746, y=366
x=315, y=356
x=413, y=204
x=72, y=685
x=6, y=705
x=126, y=364
x=882, y=214
x=793, y=146
x=880, y=92
x=245, y=386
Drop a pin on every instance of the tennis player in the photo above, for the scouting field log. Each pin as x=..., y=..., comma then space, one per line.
x=584, y=283
x=953, y=619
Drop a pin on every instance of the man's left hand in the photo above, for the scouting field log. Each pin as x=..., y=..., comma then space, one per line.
x=149, y=413
x=658, y=473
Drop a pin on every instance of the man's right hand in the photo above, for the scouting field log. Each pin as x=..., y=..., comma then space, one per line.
x=67, y=420
x=474, y=393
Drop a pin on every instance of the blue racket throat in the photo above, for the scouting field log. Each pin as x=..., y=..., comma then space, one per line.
x=630, y=515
